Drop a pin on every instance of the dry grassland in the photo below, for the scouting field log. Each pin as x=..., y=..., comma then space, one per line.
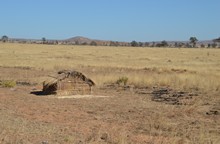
x=123, y=117
x=179, y=68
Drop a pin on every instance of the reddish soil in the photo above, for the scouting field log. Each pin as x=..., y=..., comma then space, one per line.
x=126, y=116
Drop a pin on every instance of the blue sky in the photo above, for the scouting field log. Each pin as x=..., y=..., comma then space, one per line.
x=119, y=20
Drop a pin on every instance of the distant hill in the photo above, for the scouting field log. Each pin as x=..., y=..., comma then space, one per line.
x=79, y=40
x=88, y=41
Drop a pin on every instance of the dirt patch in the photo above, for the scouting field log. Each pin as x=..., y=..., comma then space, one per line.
x=112, y=114
x=80, y=96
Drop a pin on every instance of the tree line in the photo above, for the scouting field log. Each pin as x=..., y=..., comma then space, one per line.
x=191, y=43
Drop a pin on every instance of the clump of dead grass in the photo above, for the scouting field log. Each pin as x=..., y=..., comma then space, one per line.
x=7, y=83
x=122, y=81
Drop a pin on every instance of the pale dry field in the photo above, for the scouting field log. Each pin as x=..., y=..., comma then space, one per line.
x=122, y=116
x=179, y=68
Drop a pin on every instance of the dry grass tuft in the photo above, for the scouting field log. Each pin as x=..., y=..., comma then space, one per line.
x=7, y=83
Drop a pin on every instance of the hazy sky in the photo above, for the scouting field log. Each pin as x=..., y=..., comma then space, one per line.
x=119, y=20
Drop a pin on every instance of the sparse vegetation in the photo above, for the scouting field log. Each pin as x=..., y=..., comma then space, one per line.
x=44, y=41
x=4, y=38
x=7, y=83
x=122, y=80
x=217, y=40
x=193, y=41
x=170, y=95
x=214, y=45
x=134, y=44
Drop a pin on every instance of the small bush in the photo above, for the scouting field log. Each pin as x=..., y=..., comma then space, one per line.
x=122, y=80
x=8, y=83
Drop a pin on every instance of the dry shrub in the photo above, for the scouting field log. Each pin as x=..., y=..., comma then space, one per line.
x=122, y=80
x=8, y=83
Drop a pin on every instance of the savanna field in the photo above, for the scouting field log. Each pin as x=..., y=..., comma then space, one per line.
x=153, y=95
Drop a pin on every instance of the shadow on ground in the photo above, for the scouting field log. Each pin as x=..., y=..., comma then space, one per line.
x=39, y=93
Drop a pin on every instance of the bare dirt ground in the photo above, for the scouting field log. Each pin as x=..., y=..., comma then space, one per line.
x=128, y=115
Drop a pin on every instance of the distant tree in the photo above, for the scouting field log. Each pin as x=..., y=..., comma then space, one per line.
x=193, y=41
x=93, y=43
x=44, y=40
x=117, y=43
x=209, y=45
x=188, y=45
x=153, y=44
x=146, y=44
x=134, y=44
x=217, y=40
x=112, y=43
x=214, y=45
x=158, y=45
x=140, y=44
x=4, y=38
x=202, y=46
x=179, y=44
x=176, y=44
x=164, y=43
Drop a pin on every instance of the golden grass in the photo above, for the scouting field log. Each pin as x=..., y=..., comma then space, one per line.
x=179, y=68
